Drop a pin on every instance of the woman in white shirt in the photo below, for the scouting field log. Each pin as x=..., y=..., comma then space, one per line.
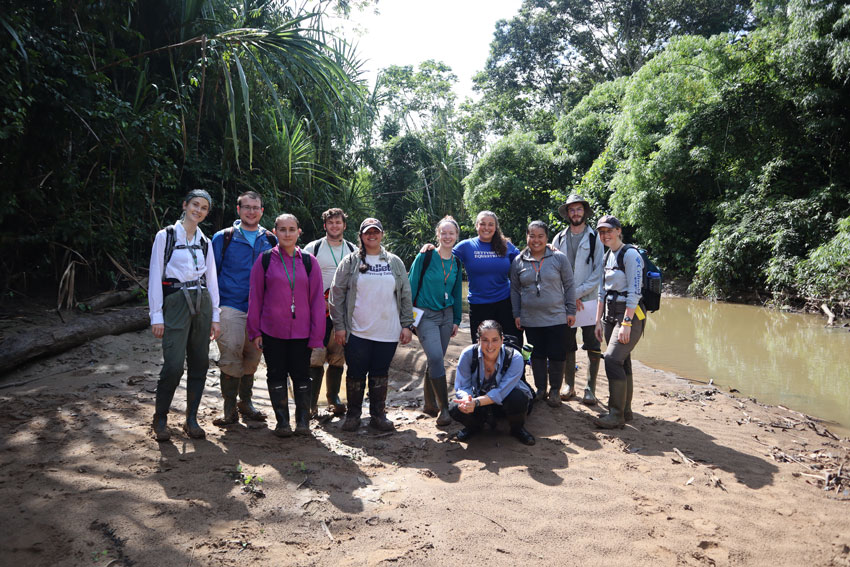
x=183, y=302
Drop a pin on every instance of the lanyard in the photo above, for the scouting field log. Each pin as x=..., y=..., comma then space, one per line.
x=446, y=276
x=330, y=246
x=290, y=278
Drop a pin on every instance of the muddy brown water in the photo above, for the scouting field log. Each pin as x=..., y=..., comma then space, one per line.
x=789, y=359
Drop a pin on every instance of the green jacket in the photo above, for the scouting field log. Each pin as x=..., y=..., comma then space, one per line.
x=343, y=294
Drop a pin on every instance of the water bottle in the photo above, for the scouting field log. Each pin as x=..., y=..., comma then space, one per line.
x=653, y=282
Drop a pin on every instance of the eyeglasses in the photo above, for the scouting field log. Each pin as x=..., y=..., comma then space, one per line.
x=250, y=209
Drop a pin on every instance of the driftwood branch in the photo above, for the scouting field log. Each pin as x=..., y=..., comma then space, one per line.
x=831, y=316
x=42, y=341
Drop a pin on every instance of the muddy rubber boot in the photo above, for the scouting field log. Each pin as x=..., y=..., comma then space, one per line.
x=229, y=391
x=194, y=392
x=616, y=401
x=378, y=403
x=630, y=386
x=354, y=393
x=332, y=385
x=556, y=378
x=538, y=370
x=162, y=405
x=518, y=430
x=441, y=389
x=246, y=408
x=316, y=374
x=280, y=405
x=570, y=376
x=429, y=398
x=593, y=359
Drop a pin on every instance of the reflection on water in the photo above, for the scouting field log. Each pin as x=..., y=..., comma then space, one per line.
x=778, y=358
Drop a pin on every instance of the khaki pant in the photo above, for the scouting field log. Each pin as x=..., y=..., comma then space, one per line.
x=239, y=357
x=333, y=354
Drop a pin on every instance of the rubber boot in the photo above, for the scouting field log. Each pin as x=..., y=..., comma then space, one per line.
x=556, y=378
x=194, y=392
x=630, y=386
x=354, y=393
x=229, y=391
x=538, y=370
x=279, y=398
x=593, y=359
x=246, y=408
x=302, y=395
x=616, y=402
x=429, y=397
x=332, y=385
x=316, y=374
x=518, y=430
x=160, y=416
x=378, y=403
x=441, y=389
x=570, y=376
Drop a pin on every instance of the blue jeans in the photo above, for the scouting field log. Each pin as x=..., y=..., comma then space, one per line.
x=434, y=332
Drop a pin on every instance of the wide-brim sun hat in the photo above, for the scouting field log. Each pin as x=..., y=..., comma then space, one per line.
x=562, y=210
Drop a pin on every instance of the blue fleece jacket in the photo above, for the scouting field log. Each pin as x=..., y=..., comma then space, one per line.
x=234, y=270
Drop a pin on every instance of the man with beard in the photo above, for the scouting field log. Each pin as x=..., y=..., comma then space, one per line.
x=584, y=250
x=329, y=251
x=236, y=248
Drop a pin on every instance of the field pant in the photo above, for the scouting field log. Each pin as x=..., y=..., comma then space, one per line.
x=186, y=338
x=618, y=360
x=434, y=332
x=239, y=356
x=513, y=406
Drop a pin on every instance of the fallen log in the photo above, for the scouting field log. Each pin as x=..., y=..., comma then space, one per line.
x=43, y=341
x=113, y=298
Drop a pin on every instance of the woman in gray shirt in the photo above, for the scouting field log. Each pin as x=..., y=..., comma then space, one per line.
x=620, y=318
x=543, y=303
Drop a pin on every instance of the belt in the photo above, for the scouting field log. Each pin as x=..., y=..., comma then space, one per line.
x=172, y=286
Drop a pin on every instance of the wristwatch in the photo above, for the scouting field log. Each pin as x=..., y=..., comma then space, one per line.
x=477, y=403
x=627, y=319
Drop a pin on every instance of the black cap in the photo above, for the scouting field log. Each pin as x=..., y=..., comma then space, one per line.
x=608, y=221
x=370, y=223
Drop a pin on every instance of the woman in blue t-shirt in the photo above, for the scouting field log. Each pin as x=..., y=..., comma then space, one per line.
x=487, y=259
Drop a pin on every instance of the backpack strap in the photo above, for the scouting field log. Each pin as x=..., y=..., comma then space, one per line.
x=266, y=259
x=592, y=237
x=170, y=241
x=228, y=238
x=425, y=263
x=271, y=238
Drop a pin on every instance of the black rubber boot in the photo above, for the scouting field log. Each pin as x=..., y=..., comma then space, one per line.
x=164, y=395
x=538, y=370
x=570, y=376
x=302, y=408
x=354, y=393
x=279, y=398
x=246, y=408
x=556, y=378
x=616, y=401
x=630, y=386
x=441, y=390
x=428, y=395
x=316, y=374
x=518, y=430
x=229, y=391
x=377, y=404
x=332, y=385
x=194, y=392
x=593, y=359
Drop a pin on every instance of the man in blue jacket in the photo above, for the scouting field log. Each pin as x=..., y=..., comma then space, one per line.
x=236, y=248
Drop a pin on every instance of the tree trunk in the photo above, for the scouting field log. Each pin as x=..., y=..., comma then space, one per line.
x=42, y=341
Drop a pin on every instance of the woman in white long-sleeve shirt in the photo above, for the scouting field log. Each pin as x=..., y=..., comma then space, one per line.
x=183, y=302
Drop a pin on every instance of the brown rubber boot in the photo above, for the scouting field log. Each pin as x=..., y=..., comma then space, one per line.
x=316, y=375
x=354, y=393
x=570, y=376
x=630, y=387
x=333, y=384
x=442, y=395
x=593, y=360
x=556, y=378
x=616, y=401
x=246, y=408
x=539, y=371
x=229, y=391
x=429, y=398
x=378, y=386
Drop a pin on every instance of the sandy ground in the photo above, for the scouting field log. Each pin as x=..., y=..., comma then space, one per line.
x=698, y=478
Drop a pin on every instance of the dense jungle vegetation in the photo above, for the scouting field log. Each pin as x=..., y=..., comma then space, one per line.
x=717, y=130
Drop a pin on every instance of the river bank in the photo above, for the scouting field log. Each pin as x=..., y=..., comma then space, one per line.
x=698, y=478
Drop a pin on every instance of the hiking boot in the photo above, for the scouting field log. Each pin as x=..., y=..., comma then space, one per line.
x=616, y=400
x=332, y=384
x=538, y=370
x=466, y=433
x=518, y=429
x=229, y=391
x=160, y=428
x=246, y=408
x=589, y=399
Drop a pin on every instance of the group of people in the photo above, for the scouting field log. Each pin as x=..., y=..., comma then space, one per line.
x=259, y=294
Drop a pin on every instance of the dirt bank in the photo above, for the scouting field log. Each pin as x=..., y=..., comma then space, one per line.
x=699, y=478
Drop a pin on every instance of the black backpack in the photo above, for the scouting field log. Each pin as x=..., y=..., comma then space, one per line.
x=650, y=287
x=305, y=258
x=171, y=245
x=511, y=347
x=315, y=250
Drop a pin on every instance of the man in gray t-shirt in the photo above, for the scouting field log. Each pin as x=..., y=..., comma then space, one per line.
x=329, y=251
x=584, y=250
